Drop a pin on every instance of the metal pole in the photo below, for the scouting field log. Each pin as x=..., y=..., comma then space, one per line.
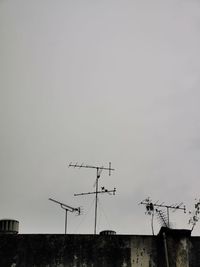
x=168, y=215
x=166, y=251
x=66, y=221
x=152, y=223
x=96, y=199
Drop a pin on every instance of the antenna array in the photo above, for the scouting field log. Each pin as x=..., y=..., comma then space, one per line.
x=96, y=192
x=157, y=207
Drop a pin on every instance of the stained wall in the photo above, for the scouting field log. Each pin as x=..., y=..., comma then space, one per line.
x=99, y=251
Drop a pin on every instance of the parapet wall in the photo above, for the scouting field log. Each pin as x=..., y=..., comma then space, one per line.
x=99, y=251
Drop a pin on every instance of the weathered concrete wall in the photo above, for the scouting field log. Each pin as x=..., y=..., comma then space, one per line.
x=143, y=251
x=99, y=251
x=77, y=250
x=176, y=248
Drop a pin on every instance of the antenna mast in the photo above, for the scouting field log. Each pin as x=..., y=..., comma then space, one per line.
x=103, y=190
x=66, y=208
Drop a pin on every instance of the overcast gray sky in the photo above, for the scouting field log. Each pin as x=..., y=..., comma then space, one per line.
x=97, y=81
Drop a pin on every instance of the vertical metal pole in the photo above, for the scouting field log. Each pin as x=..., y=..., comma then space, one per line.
x=65, y=221
x=166, y=251
x=96, y=199
x=152, y=223
x=109, y=168
x=168, y=215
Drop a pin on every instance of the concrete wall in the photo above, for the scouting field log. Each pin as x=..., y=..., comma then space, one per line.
x=99, y=251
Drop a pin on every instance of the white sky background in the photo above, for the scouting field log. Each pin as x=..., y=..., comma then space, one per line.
x=98, y=81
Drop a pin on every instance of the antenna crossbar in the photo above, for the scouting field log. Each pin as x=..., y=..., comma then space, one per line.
x=92, y=167
x=165, y=206
x=98, y=192
x=64, y=206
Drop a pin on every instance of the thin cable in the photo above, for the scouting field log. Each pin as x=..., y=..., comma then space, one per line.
x=105, y=216
x=84, y=218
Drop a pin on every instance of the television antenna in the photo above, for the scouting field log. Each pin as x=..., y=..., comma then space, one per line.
x=66, y=208
x=195, y=214
x=97, y=191
x=157, y=207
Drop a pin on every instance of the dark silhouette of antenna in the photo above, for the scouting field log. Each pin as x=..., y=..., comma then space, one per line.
x=162, y=217
x=151, y=208
x=96, y=192
x=195, y=214
x=67, y=208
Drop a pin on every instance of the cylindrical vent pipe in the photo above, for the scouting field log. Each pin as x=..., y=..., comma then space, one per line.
x=107, y=232
x=8, y=226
